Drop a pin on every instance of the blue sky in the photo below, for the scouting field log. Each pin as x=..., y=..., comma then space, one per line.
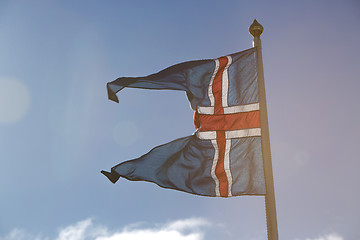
x=58, y=130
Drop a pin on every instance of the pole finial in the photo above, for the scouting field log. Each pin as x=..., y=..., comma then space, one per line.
x=256, y=29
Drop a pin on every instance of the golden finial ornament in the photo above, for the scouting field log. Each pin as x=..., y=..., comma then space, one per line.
x=256, y=29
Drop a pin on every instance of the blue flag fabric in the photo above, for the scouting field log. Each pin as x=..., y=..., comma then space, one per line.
x=223, y=157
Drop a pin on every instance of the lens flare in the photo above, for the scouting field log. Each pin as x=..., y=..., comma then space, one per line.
x=14, y=100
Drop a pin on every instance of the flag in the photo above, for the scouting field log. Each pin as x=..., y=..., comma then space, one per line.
x=223, y=157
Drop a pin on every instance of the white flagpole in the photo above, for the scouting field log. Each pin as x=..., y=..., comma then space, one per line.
x=255, y=30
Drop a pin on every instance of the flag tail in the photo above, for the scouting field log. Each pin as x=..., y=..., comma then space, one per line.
x=111, y=94
x=112, y=176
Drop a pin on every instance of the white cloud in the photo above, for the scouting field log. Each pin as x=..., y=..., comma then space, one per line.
x=187, y=229
x=332, y=236
x=19, y=234
x=191, y=223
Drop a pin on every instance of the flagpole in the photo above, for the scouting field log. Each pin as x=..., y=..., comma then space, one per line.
x=256, y=30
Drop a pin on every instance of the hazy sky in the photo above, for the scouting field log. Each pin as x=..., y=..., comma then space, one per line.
x=58, y=130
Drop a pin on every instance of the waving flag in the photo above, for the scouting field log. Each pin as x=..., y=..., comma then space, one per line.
x=223, y=157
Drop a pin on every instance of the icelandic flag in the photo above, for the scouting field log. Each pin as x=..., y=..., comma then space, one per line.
x=223, y=157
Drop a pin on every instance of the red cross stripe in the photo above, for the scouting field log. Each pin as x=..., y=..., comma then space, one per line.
x=225, y=122
x=219, y=123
